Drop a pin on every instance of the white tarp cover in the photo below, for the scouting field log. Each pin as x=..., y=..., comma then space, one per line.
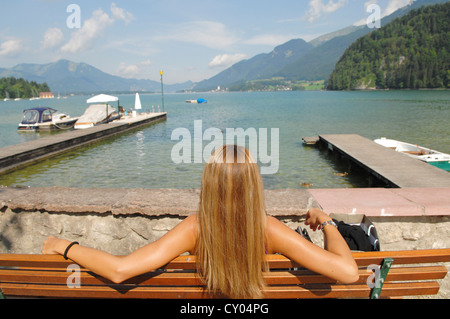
x=102, y=98
x=96, y=113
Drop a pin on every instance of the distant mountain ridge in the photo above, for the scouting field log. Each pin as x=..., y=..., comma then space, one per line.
x=316, y=60
x=261, y=66
x=65, y=76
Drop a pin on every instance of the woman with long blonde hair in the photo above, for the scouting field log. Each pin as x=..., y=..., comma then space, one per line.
x=232, y=222
x=231, y=234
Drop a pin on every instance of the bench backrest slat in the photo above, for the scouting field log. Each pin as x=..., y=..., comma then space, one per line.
x=192, y=279
x=278, y=292
x=275, y=261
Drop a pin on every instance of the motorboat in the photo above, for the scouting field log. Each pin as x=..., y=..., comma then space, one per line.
x=96, y=114
x=435, y=158
x=45, y=118
x=199, y=101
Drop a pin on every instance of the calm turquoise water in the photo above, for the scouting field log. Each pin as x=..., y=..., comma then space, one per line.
x=142, y=159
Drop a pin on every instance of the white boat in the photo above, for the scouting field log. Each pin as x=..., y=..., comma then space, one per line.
x=435, y=158
x=98, y=113
x=45, y=118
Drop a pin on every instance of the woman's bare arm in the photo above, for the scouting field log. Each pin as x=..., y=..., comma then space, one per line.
x=180, y=239
x=335, y=262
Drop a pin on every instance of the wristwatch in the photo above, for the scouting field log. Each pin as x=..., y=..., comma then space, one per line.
x=328, y=222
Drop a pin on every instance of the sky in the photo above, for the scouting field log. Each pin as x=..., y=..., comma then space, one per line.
x=187, y=39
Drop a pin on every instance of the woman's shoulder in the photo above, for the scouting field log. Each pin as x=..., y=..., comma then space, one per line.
x=272, y=223
x=274, y=228
x=192, y=223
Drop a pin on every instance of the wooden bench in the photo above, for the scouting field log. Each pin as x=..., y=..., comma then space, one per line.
x=412, y=273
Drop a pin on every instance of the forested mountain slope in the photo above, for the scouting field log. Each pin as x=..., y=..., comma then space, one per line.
x=410, y=52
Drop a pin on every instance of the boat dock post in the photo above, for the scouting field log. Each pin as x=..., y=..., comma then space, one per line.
x=390, y=167
x=16, y=156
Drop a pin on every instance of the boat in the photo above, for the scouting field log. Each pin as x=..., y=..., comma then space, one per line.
x=98, y=113
x=435, y=158
x=45, y=118
x=199, y=101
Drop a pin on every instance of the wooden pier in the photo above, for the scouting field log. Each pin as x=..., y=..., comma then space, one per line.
x=16, y=156
x=391, y=167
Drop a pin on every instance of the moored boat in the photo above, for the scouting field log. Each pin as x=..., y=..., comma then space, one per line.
x=435, y=158
x=45, y=118
x=199, y=101
x=98, y=113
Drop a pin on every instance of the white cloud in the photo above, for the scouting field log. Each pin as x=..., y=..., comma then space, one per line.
x=269, y=39
x=121, y=14
x=11, y=48
x=317, y=8
x=226, y=60
x=209, y=34
x=52, y=38
x=84, y=38
x=369, y=3
x=394, y=5
x=364, y=20
x=134, y=71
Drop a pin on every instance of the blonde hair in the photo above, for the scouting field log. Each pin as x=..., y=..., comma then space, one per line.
x=232, y=220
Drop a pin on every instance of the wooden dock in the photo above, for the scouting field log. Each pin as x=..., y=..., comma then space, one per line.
x=16, y=156
x=391, y=167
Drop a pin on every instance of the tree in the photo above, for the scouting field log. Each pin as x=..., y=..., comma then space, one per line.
x=409, y=52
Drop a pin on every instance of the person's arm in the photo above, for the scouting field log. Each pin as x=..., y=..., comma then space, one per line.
x=180, y=239
x=336, y=261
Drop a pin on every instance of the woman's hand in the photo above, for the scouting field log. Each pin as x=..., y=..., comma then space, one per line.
x=315, y=217
x=53, y=246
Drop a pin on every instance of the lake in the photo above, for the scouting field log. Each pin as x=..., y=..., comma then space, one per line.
x=143, y=158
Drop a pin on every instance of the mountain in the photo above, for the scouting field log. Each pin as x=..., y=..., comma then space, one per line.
x=315, y=60
x=261, y=66
x=295, y=60
x=326, y=37
x=70, y=77
x=318, y=63
x=321, y=61
x=410, y=52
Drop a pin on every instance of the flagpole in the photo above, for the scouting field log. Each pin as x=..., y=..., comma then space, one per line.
x=162, y=89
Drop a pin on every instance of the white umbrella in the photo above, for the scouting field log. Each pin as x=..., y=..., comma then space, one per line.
x=137, y=102
x=102, y=98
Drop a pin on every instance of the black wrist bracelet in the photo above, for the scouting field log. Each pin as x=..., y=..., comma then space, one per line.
x=68, y=247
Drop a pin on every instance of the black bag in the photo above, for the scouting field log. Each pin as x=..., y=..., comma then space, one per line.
x=304, y=233
x=358, y=231
x=355, y=236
